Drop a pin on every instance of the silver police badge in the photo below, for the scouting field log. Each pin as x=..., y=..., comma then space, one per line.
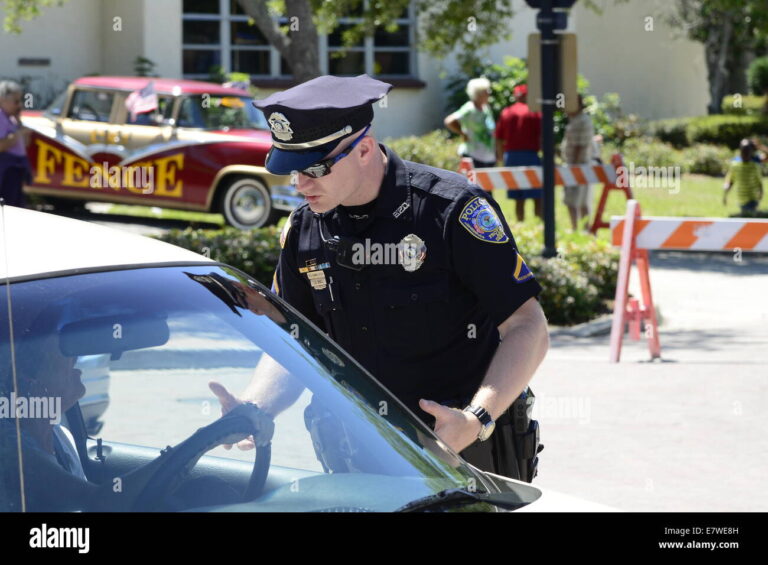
x=280, y=126
x=411, y=251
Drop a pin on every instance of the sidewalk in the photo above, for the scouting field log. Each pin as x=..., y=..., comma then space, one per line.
x=684, y=434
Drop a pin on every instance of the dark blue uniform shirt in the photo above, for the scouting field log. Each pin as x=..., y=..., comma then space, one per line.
x=426, y=333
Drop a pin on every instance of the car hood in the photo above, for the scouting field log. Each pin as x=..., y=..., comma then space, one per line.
x=33, y=243
x=549, y=500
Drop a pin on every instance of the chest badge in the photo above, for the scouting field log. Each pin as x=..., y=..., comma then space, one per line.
x=411, y=251
x=315, y=273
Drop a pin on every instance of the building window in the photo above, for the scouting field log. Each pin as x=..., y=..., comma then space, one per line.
x=218, y=34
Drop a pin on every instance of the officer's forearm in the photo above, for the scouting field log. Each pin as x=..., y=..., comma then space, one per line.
x=272, y=388
x=524, y=343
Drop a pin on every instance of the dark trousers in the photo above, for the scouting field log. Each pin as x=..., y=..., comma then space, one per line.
x=11, y=186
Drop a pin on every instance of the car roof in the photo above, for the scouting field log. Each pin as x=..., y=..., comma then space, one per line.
x=162, y=85
x=35, y=243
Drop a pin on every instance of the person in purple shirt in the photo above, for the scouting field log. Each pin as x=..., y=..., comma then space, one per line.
x=14, y=167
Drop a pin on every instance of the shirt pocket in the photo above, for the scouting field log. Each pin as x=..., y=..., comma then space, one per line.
x=408, y=316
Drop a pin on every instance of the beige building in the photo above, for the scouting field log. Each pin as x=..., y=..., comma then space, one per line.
x=628, y=49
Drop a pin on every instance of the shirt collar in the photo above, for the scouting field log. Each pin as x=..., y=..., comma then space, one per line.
x=394, y=197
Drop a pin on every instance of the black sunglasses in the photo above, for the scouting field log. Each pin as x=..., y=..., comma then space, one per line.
x=322, y=168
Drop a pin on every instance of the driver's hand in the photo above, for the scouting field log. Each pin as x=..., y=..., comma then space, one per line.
x=228, y=402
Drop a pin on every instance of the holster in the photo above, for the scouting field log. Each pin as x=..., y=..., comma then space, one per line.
x=525, y=431
x=512, y=449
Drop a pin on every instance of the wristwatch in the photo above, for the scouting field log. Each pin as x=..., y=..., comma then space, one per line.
x=488, y=425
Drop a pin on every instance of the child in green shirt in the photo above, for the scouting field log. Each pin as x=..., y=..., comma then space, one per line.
x=744, y=173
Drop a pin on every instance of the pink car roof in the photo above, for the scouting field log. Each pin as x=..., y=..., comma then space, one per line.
x=162, y=85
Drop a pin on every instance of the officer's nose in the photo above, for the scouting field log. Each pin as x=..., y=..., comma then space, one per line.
x=304, y=183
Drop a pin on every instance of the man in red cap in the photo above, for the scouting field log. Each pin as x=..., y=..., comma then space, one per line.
x=518, y=140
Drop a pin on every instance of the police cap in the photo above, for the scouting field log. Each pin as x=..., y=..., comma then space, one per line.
x=309, y=120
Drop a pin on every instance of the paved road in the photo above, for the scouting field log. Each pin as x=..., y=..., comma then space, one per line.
x=685, y=434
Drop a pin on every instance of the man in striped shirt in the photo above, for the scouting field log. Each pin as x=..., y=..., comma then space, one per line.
x=744, y=173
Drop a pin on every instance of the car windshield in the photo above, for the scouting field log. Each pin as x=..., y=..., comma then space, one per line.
x=133, y=352
x=215, y=112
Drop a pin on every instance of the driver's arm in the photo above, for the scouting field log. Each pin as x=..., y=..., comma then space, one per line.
x=50, y=488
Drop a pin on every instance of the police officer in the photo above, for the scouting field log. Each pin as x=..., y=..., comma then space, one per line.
x=411, y=269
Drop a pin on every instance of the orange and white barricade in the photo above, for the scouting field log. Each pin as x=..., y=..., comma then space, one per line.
x=528, y=178
x=636, y=234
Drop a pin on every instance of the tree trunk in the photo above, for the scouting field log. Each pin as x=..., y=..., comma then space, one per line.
x=737, y=71
x=716, y=50
x=300, y=48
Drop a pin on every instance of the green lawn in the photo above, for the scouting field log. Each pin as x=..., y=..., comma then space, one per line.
x=699, y=196
x=166, y=214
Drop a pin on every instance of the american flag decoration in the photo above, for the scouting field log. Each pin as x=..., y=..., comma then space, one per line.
x=142, y=101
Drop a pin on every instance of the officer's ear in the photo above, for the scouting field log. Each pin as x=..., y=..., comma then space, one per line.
x=368, y=148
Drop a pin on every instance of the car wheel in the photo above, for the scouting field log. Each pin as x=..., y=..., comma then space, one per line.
x=246, y=204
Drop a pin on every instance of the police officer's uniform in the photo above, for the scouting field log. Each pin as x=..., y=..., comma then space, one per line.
x=425, y=326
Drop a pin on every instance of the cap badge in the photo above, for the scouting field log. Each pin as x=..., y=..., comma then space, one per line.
x=280, y=126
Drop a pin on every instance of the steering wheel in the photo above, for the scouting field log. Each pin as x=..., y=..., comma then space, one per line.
x=89, y=108
x=175, y=463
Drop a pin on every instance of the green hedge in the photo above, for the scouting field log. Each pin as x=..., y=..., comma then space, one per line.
x=574, y=284
x=724, y=129
x=701, y=158
x=254, y=252
x=744, y=105
x=436, y=148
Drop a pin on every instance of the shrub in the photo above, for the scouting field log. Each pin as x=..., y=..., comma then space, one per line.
x=575, y=283
x=435, y=148
x=744, y=105
x=253, y=251
x=610, y=121
x=725, y=129
x=704, y=159
x=647, y=152
x=568, y=296
x=672, y=131
x=757, y=75
x=598, y=260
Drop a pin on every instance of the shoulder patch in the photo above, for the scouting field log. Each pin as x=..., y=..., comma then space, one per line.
x=480, y=219
x=522, y=272
x=286, y=229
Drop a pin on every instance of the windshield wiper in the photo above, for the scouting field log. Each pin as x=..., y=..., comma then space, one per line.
x=453, y=497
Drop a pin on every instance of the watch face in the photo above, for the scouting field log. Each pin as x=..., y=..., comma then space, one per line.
x=486, y=431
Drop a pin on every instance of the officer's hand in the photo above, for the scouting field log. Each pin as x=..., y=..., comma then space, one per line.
x=456, y=428
x=229, y=401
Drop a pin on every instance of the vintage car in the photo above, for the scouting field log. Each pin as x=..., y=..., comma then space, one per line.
x=170, y=322
x=202, y=148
